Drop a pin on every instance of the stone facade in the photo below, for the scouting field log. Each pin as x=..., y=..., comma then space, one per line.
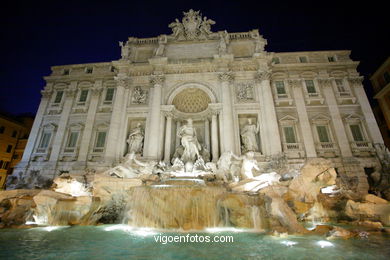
x=304, y=104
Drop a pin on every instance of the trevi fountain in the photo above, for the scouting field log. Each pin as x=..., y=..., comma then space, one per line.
x=251, y=175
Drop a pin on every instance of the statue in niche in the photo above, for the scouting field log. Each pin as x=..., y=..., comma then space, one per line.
x=125, y=50
x=139, y=95
x=223, y=42
x=189, y=141
x=135, y=139
x=162, y=41
x=248, y=137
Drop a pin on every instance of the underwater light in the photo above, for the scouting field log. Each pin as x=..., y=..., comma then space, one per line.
x=51, y=228
x=118, y=227
x=323, y=243
x=288, y=243
x=224, y=229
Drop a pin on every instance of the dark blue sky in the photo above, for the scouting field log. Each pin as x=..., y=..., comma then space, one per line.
x=38, y=34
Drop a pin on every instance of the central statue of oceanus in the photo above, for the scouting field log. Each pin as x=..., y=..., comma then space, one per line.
x=189, y=141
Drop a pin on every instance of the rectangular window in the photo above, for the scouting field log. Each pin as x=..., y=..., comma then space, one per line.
x=72, y=141
x=88, y=70
x=310, y=86
x=100, y=139
x=83, y=95
x=322, y=134
x=276, y=60
x=356, y=133
x=112, y=69
x=2, y=128
x=331, y=59
x=280, y=90
x=59, y=95
x=14, y=133
x=65, y=72
x=303, y=59
x=340, y=85
x=9, y=148
x=289, y=134
x=45, y=139
x=109, y=94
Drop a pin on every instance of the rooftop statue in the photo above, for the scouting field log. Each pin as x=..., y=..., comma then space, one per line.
x=191, y=27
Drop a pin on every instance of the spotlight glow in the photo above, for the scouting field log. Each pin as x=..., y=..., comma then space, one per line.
x=323, y=244
x=288, y=243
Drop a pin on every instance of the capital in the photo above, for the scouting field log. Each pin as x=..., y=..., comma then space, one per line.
x=122, y=81
x=325, y=82
x=46, y=93
x=96, y=91
x=157, y=79
x=295, y=83
x=355, y=81
x=263, y=75
x=226, y=76
x=70, y=92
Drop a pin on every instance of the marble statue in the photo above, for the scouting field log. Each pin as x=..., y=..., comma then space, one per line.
x=248, y=164
x=130, y=167
x=135, y=139
x=125, y=51
x=189, y=141
x=205, y=26
x=223, y=42
x=177, y=28
x=162, y=41
x=248, y=137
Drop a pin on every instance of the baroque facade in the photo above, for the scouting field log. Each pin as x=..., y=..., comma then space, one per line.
x=239, y=96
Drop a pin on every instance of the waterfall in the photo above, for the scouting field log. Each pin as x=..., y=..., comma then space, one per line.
x=173, y=207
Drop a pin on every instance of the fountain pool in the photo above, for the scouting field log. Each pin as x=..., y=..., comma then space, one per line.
x=124, y=242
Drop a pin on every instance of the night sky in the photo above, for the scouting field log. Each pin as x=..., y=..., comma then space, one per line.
x=36, y=34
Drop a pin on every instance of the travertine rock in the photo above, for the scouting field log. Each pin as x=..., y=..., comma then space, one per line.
x=368, y=211
x=375, y=199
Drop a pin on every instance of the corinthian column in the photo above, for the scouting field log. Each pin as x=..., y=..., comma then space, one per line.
x=153, y=133
x=304, y=123
x=58, y=140
x=32, y=139
x=168, y=136
x=228, y=137
x=87, y=133
x=372, y=125
x=214, y=136
x=271, y=136
x=339, y=128
x=116, y=120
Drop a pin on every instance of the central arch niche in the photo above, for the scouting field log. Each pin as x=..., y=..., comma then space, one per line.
x=191, y=100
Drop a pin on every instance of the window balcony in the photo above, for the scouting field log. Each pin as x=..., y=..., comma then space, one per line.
x=362, y=148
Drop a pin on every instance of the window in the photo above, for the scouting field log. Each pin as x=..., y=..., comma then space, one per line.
x=340, y=86
x=276, y=60
x=311, y=89
x=72, y=140
x=280, y=90
x=83, y=95
x=112, y=69
x=386, y=77
x=45, y=139
x=2, y=128
x=14, y=133
x=323, y=134
x=89, y=70
x=58, y=97
x=100, y=141
x=65, y=72
x=289, y=134
x=356, y=133
x=331, y=59
x=9, y=148
x=303, y=59
x=16, y=156
x=109, y=94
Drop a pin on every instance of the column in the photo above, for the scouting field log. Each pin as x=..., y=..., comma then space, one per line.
x=116, y=120
x=178, y=125
x=207, y=133
x=268, y=114
x=153, y=132
x=304, y=123
x=227, y=113
x=58, y=139
x=214, y=137
x=32, y=139
x=168, y=135
x=89, y=122
x=334, y=111
x=371, y=123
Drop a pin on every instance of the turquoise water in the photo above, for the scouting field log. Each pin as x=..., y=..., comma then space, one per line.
x=121, y=242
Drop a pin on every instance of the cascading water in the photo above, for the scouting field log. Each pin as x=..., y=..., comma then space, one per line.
x=174, y=207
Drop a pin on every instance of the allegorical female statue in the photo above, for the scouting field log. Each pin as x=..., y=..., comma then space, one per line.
x=189, y=141
x=248, y=137
x=135, y=139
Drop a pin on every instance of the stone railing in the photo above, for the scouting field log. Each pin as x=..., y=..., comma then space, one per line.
x=327, y=145
x=361, y=145
x=292, y=146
